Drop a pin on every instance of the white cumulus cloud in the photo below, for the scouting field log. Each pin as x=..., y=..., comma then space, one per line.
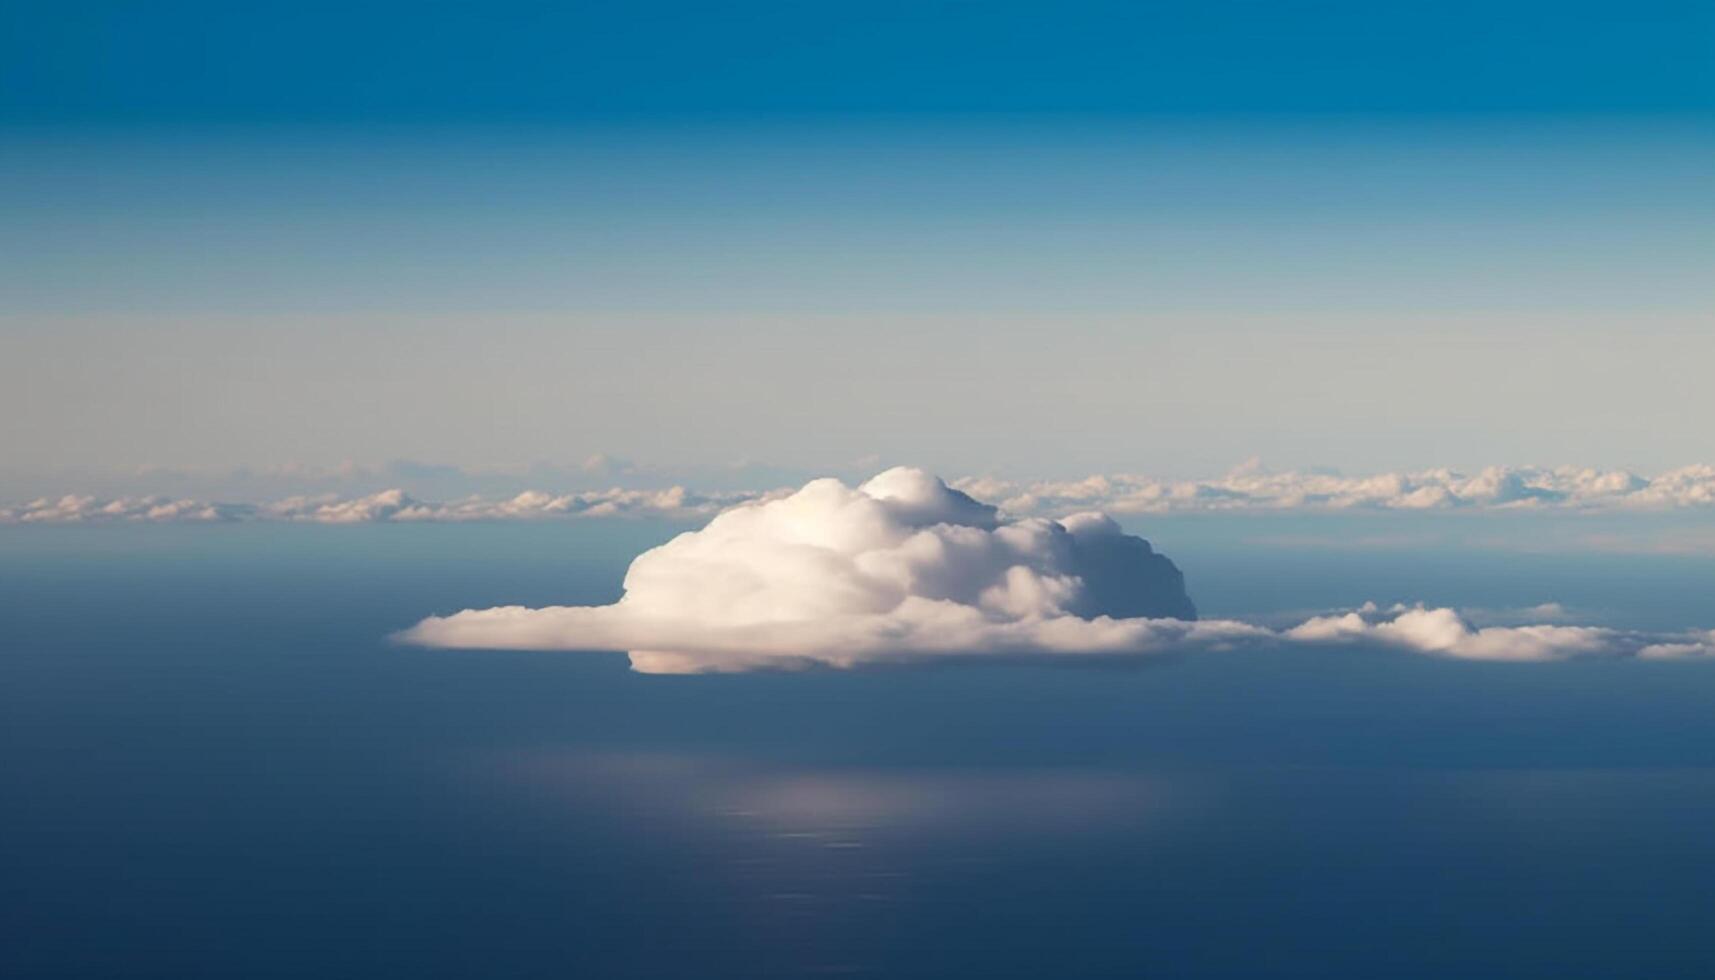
x=904, y=567
x=900, y=567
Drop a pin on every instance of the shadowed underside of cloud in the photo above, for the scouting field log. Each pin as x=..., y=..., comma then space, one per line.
x=905, y=568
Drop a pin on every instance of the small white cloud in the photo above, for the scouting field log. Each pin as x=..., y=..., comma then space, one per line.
x=1696, y=645
x=329, y=509
x=905, y=568
x=1445, y=633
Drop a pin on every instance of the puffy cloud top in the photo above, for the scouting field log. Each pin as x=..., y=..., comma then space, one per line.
x=905, y=567
x=830, y=550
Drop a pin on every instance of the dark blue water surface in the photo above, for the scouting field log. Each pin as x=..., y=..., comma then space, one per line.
x=212, y=764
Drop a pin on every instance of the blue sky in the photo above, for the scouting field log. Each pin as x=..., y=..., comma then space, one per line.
x=191, y=63
x=981, y=237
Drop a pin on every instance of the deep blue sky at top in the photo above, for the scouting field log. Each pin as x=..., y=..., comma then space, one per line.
x=221, y=62
x=1358, y=234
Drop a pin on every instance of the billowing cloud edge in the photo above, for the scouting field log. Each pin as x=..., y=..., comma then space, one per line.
x=906, y=568
x=1246, y=489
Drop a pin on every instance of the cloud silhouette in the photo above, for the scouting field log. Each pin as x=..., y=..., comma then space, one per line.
x=904, y=567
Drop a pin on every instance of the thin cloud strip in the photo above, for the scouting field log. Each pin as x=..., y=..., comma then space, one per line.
x=905, y=568
x=1247, y=489
x=918, y=632
x=674, y=503
x=1250, y=488
x=1445, y=632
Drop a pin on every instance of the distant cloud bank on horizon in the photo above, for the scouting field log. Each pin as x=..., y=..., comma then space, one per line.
x=393, y=505
x=1246, y=489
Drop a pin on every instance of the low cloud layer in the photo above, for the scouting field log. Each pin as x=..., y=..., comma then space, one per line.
x=1251, y=488
x=905, y=568
x=1247, y=489
x=675, y=503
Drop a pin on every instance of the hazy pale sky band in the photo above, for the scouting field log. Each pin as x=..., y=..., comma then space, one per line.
x=1123, y=238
